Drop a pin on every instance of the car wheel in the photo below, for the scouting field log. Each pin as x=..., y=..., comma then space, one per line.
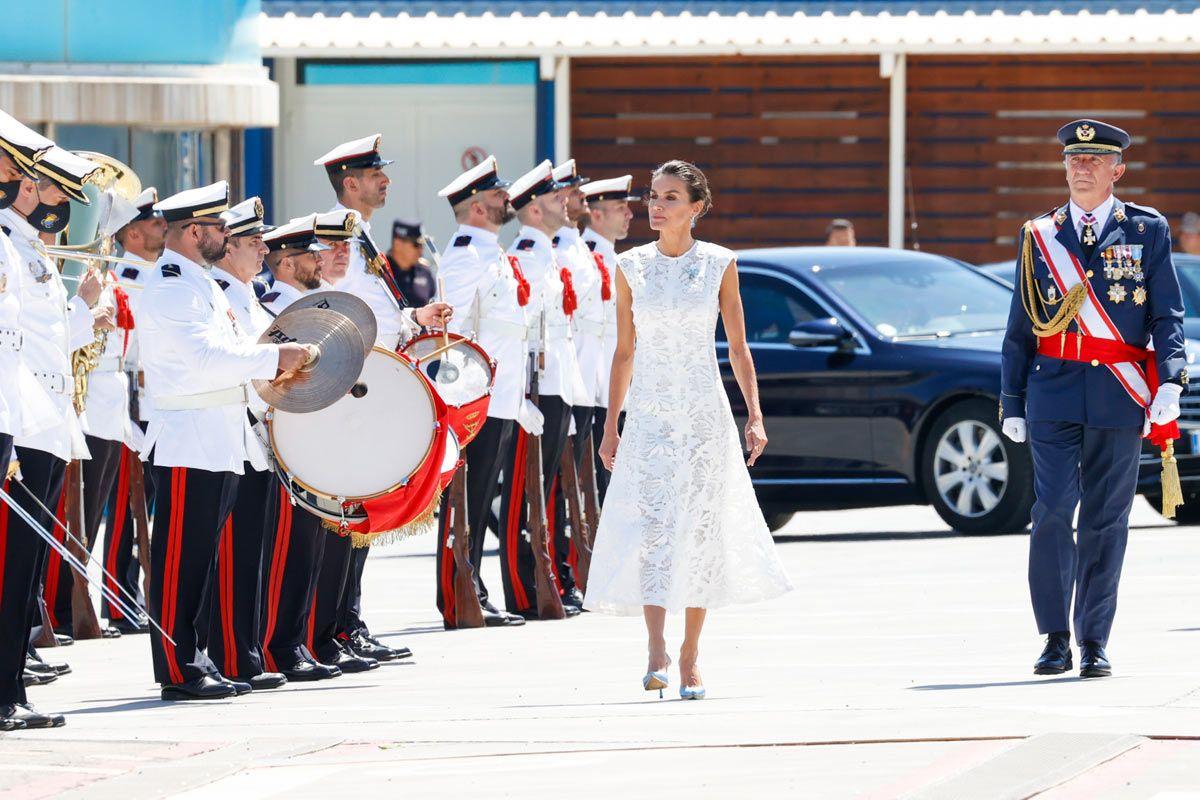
x=978, y=481
x=1186, y=514
x=778, y=520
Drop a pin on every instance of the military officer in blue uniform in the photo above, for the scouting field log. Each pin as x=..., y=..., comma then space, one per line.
x=1096, y=287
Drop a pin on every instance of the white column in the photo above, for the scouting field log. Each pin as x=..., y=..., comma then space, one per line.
x=894, y=66
x=562, y=109
x=282, y=157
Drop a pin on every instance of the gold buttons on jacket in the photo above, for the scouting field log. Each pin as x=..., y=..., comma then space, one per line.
x=1095, y=363
x=1089, y=273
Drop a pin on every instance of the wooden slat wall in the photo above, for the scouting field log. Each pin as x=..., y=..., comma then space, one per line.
x=982, y=149
x=787, y=143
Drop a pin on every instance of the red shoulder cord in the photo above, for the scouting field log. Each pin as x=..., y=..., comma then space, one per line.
x=522, y=283
x=124, y=316
x=570, y=302
x=605, y=278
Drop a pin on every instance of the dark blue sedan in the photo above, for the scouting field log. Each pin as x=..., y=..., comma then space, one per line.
x=879, y=375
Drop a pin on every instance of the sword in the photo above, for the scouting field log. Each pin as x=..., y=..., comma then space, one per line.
x=109, y=595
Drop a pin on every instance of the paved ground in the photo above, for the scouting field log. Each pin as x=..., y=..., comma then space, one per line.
x=899, y=668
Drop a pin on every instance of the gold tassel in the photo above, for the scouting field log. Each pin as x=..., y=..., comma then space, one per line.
x=419, y=526
x=14, y=467
x=1172, y=492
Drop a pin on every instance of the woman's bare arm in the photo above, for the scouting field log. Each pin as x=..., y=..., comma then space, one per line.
x=622, y=371
x=741, y=360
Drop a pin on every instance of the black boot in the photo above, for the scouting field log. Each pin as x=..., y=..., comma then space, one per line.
x=1093, y=662
x=1056, y=657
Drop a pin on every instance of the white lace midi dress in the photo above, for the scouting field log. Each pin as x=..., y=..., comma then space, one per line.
x=680, y=526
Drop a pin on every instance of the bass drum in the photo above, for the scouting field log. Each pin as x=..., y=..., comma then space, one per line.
x=372, y=443
x=462, y=373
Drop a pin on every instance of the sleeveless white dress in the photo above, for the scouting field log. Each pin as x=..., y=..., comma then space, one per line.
x=680, y=526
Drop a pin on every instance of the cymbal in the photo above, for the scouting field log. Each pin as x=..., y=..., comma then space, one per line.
x=344, y=303
x=330, y=375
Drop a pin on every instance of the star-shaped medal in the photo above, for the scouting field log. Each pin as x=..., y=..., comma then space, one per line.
x=1116, y=292
x=1139, y=296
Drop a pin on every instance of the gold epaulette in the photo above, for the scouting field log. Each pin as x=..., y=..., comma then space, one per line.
x=1037, y=306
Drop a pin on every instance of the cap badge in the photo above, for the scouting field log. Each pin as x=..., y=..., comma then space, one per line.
x=1085, y=133
x=258, y=208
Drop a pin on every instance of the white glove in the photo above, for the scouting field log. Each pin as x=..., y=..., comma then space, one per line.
x=1165, y=407
x=1014, y=428
x=530, y=418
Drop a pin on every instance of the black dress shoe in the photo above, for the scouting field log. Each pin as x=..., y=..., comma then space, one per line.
x=310, y=671
x=502, y=619
x=9, y=722
x=128, y=628
x=1056, y=657
x=34, y=718
x=239, y=687
x=574, y=597
x=36, y=673
x=267, y=680
x=532, y=614
x=348, y=661
x=204, y=688
x=1093, y=662
x=367, y=646
x=572, y=611
x=63, y=639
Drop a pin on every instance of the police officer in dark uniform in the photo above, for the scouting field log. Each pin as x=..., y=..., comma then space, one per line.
x=411, y=270
x=1096, y=287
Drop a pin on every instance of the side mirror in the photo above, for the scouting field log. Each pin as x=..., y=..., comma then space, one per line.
x=820, y=333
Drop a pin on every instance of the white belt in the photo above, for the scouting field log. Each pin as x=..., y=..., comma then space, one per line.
x=234, y=395
x=56, y=382
x=590, y=327
x=554, y=333
x=110, y=364
x=11, y=339
x=503, y=328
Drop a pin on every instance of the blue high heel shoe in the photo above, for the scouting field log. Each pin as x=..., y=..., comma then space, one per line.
x=657, y=680
x=691, y=693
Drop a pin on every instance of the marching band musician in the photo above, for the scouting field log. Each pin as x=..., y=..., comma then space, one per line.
x=587, y=329
x=300, y=539
x=477, y=275
x=355, y=171
x=235, y=621
x=52, y=328
x=606, y=223
x=1096, y=286
x=541, y=206
x=329, y=631
x=197, y=367
x=141, y=238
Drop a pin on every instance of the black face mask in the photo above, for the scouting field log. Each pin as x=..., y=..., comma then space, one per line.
x=50, y=219
x=8, y=192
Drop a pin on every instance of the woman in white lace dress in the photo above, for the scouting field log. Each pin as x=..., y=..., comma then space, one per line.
x=680, y=528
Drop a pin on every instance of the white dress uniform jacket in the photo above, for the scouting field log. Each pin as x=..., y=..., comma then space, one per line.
x=281, y=296
x=252, y=321
x=133, y=279
x=395, y=324
x=197, y=366
x=106, y=403
x=53, y=328
x=25, y=408
x=599, y=246
x=588, y=319
x=561, y=376
x=475, y=270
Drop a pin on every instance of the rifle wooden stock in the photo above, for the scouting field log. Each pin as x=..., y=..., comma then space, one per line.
x=590, y=488
x=141, y=520
x=84, y=623
x=549, y=602
x=579, y=525
x=46, y=637
x=467, y=610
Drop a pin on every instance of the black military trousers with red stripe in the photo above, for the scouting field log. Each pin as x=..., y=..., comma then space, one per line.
x=602, y=475
x=237, y=618
x=484, y=457
x=190, y=509
x=291, y=583
x=119, y=532
x=516, y=555
x=352, y=621
x=100, y=473
x=328, y=619
x=22, y=558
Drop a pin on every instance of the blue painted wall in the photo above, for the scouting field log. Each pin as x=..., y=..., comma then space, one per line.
x=131, y=31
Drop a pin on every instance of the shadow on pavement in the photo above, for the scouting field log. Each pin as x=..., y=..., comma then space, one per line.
x=1047, y=681
x=881, y=536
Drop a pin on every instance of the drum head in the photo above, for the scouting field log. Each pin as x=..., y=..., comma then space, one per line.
x=361, y=447
x=461, y=374
x=453, y=452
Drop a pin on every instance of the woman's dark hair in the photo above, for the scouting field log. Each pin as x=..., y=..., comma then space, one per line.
x=693, y=179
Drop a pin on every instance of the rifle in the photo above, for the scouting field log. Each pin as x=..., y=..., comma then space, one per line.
x=579, y=524
x=591, y=506
x=84, y=623
x=468, y=612
x=548, y=600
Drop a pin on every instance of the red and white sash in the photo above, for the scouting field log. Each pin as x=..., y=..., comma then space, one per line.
x=1093, y=320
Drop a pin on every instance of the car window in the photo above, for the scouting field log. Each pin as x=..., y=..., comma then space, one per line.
x=1189, y=282
x=772, y=307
